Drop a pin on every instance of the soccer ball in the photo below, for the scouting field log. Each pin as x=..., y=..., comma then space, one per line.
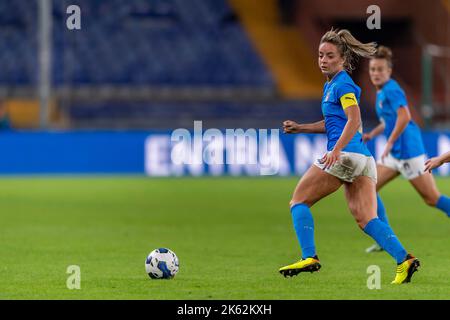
x=161, y=263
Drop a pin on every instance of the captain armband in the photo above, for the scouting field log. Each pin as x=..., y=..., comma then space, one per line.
x=348, y=100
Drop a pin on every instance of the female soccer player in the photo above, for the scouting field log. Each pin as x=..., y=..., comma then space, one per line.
x=348, y=161
x=404, y=152
x=437, y=161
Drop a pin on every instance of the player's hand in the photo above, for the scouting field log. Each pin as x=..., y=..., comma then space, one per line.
x=387, y=149
x=366, y=137
x=432, y=163
x=330, y=158
x=290, y=126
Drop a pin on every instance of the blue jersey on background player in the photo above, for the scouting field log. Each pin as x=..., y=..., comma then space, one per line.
x=390, y=98
x=404, y=152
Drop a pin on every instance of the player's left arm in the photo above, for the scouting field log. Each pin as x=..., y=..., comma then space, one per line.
x=398, y=102
x=403, y=118
x=351, y=109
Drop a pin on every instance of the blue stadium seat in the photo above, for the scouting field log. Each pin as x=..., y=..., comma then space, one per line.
x=135, y=42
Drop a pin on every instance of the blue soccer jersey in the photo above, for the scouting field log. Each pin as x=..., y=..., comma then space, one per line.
x=338, y=94
x=390, y=98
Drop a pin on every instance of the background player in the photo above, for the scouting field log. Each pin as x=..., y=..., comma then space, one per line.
x=348, y=161
x=437, y=161
x=404, y=152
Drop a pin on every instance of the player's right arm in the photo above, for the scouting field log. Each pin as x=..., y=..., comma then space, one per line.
x=375, y=132
x=437, y=161
x=290, y=126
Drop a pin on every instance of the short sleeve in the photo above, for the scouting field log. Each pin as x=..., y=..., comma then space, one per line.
x=344, y=89
x=396, y=99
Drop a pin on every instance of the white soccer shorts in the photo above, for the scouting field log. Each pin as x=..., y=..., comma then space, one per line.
x=350, y=166
x=409, y=168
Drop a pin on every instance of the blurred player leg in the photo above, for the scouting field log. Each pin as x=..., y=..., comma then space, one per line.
x=384, y=175
x=426, y=187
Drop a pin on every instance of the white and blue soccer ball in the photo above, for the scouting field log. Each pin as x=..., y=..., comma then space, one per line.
x=162, y=263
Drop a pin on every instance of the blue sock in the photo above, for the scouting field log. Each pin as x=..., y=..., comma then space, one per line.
x=385, y=237
x=444, y=204
x=304, y=228
x=381, y=211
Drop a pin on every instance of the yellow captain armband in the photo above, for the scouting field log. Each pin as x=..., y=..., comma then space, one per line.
x=348, y=100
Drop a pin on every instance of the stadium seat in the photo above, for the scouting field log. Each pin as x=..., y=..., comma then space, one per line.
x=138, y=42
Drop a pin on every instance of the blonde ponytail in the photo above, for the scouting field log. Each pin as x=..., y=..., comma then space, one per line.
x=349, y=47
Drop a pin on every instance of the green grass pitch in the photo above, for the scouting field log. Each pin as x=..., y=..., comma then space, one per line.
x=230, y=234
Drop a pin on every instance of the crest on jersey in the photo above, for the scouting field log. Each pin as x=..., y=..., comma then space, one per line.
x=327, y=96
x=381, y=104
